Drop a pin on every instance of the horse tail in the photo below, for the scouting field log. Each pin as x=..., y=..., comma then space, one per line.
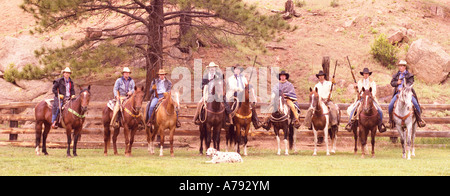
x=291, y=136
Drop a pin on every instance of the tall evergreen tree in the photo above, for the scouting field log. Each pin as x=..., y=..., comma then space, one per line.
x=143, y=29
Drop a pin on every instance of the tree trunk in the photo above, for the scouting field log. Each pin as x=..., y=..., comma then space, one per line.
x=155, y=43
x=185, y=43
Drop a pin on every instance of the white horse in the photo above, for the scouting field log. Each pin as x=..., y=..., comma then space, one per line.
x=405, y=121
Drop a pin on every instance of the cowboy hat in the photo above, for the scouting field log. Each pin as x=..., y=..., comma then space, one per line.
x=162, y=72
x=237, y=66
x=212, y=64
x=365, y=71
x=126, y=69
x=67, y=69
x=402, y=62
x=321, y=73
x=283, y=73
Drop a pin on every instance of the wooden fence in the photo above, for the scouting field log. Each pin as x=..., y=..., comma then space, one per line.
x=188, y=128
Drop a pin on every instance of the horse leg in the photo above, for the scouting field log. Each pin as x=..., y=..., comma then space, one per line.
x=333, y=138
x=247, y=128
x=355, y=136
x=133, y=133
x=408, y=140
x=402, y=139
x=47, y=128
x=202, y=137
x=363, y=140
x=77, y=135
x=116, y=133
x=238, y=137
x=315, y=141
x=208, y=136
x=286, y=133
x=126, y=132
x=172, y=132
x=325, y=132
x=38, y=132
x=69, y=138
x=216, y=134
x=161, y=143
x=374, y=131
x=277, y=134
x=106, y=138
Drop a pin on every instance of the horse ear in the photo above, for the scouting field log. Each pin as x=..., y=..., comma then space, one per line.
x=310, y=89
x=89, y=87
x=363, y=89
x=142, y=88
x=370, y=89
x=317, y=90
x=135, y=87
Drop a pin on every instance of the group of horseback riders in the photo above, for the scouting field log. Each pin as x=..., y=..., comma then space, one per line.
x=63, y=88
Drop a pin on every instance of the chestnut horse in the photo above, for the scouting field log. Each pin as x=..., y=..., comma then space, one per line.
x=72, y=117
x=368, y=121
x=242, y=121
x=282, y=118
x=321, y=121
x=166, y=118
x=214, y=119
x=129, y=119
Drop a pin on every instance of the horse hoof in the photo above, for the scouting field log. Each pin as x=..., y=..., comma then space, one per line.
x=362, y=157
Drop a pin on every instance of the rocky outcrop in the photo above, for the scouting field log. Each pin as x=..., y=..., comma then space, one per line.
x=428, y=61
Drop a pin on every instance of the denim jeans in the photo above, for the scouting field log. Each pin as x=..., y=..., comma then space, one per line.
x=414, y=101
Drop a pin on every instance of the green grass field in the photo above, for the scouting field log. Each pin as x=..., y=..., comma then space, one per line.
x=22, y=161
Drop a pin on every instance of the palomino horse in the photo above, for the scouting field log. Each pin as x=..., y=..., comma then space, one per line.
x=282, y=119
x=368, y=121
x=242, y=121
x=405, y=121
x=72, y=117
x=213, y=120
x=166, y=118
x=130, y=119
x=321, y=121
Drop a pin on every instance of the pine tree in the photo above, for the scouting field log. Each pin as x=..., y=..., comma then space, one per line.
x=143, y=30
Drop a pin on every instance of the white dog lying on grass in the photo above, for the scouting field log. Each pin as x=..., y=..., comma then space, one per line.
x=223, y=157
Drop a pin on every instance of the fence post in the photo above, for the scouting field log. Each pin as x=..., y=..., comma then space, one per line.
x=13, y=124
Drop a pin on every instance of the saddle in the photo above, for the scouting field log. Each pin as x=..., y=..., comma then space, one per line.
x=153, y=117
x=50, y=103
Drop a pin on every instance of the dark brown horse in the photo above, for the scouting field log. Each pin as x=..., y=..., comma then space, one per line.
x=72, y=117
x=130, y=119
x=368, y=121
x=213, y=120
x=242, y=121
x=282, y=118
x=321, y=121
x=166, y=118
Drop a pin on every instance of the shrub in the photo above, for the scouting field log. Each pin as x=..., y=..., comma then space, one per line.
x=384, y=52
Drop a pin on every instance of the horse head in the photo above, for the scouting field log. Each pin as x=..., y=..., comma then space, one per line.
x=313, y=99
x=85, y=96
x=138, y=98
x=405, y=97
x=367, y=100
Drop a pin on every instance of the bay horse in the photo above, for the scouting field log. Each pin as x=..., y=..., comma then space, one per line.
x=282, y=118
x=242, y=121
x=129, y=120
x=166, y=118
x=405, y=120
x=72, y=118
x=321, y=121
x=368, y=121
x=213, y=120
